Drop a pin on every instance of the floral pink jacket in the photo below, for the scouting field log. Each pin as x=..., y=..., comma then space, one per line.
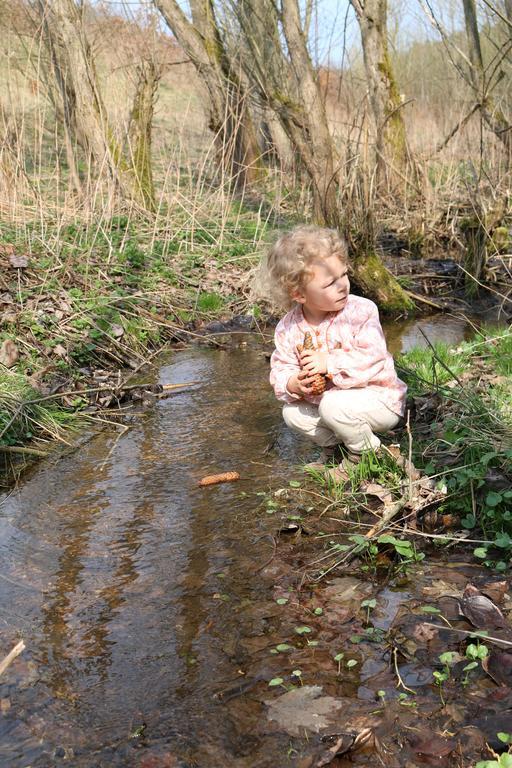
x=358, y=356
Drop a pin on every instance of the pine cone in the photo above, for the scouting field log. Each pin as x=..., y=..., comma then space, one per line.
x=223, y=477
x=318, y=383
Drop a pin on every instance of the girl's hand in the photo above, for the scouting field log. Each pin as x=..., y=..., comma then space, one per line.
x=313, y=361
x=300, y=383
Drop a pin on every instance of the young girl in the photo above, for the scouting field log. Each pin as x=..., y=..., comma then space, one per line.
x=306, y=270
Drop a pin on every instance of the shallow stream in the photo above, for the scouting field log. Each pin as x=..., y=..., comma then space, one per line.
x=146, y=602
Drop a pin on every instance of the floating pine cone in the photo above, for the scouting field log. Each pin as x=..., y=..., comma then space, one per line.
x=223, y=477
x=318, y=383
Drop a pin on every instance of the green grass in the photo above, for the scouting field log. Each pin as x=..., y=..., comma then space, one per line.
x=24, y=417
x=424, y=368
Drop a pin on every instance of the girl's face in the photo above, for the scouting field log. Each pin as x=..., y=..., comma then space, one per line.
x=327, y=290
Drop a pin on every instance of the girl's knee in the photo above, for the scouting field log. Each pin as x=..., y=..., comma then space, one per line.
x=331, y=405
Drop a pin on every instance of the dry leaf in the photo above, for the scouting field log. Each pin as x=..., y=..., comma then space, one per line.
x=8, y=353
x=116, y=331
x=17, y=261
x=60, y=351
x=430, y=748
x=480, y=611
x=498, y=665
x=304, y=709
x=377, y=490
x=424, y=632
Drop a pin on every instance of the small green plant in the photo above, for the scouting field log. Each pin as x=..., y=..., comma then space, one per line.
x=369, y=605
x=503, y=761
x=476, y=653
x=441, y=676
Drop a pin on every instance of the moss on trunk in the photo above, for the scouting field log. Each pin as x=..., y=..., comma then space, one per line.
x=372, y=279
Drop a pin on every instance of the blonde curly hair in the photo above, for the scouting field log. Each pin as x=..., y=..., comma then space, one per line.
x=286, y=267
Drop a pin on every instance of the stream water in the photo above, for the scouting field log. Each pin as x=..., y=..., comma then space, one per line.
x=142, y=598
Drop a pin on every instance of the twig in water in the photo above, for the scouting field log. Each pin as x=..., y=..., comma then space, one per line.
x=474, y=633
x=400, y=681
x=11, y=656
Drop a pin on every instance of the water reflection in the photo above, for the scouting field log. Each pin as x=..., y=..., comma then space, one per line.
x=403, y=335
x=128, y=558
x=130, y=585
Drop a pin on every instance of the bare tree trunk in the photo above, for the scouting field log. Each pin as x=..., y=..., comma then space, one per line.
x=85, y=114
x=66, y=104
x=230, y=120
x=287, y=84
x=140, y=133
x=390, y=136
x=315, y=145
x=493, y=116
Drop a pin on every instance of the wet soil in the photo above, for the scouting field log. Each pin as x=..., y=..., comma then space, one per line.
x=152, y=609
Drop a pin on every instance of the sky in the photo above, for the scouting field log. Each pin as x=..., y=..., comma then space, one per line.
x=335, y=36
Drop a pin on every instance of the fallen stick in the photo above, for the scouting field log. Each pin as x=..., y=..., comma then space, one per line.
x=423, y=300
x=389, y=513
x=21, y=449
x=480, y=634
x=11, y=656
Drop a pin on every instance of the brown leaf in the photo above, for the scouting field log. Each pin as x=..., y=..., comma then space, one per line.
x=18, y=261
x=304, y=709
x=480, y=611
x=425, y=632
x=430, y=747
x=60, y=351
x=495, y=590
x=498, y=665
x=344, y=744
x=377, y=490
x=8, y=353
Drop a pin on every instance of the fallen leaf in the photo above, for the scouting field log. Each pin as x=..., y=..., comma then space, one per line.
x=8, y=353
x=495, y=590
x=304, y=709
x=17, y=261
x=116, y=331
x=441, y=588
x=343, y=744
x=480, y=611
x=425, y=632
x=377, y=490
x=498, y=665
x=430, y=748
x=60, y=351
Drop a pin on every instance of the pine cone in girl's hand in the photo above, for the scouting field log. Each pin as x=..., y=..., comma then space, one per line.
x=318, y=383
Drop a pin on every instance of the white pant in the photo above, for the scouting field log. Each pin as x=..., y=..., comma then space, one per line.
x=346, y=416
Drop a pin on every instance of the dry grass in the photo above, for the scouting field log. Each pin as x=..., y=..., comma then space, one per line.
x=34, y=185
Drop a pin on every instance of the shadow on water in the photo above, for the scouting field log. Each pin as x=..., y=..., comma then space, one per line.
x=131, y=586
